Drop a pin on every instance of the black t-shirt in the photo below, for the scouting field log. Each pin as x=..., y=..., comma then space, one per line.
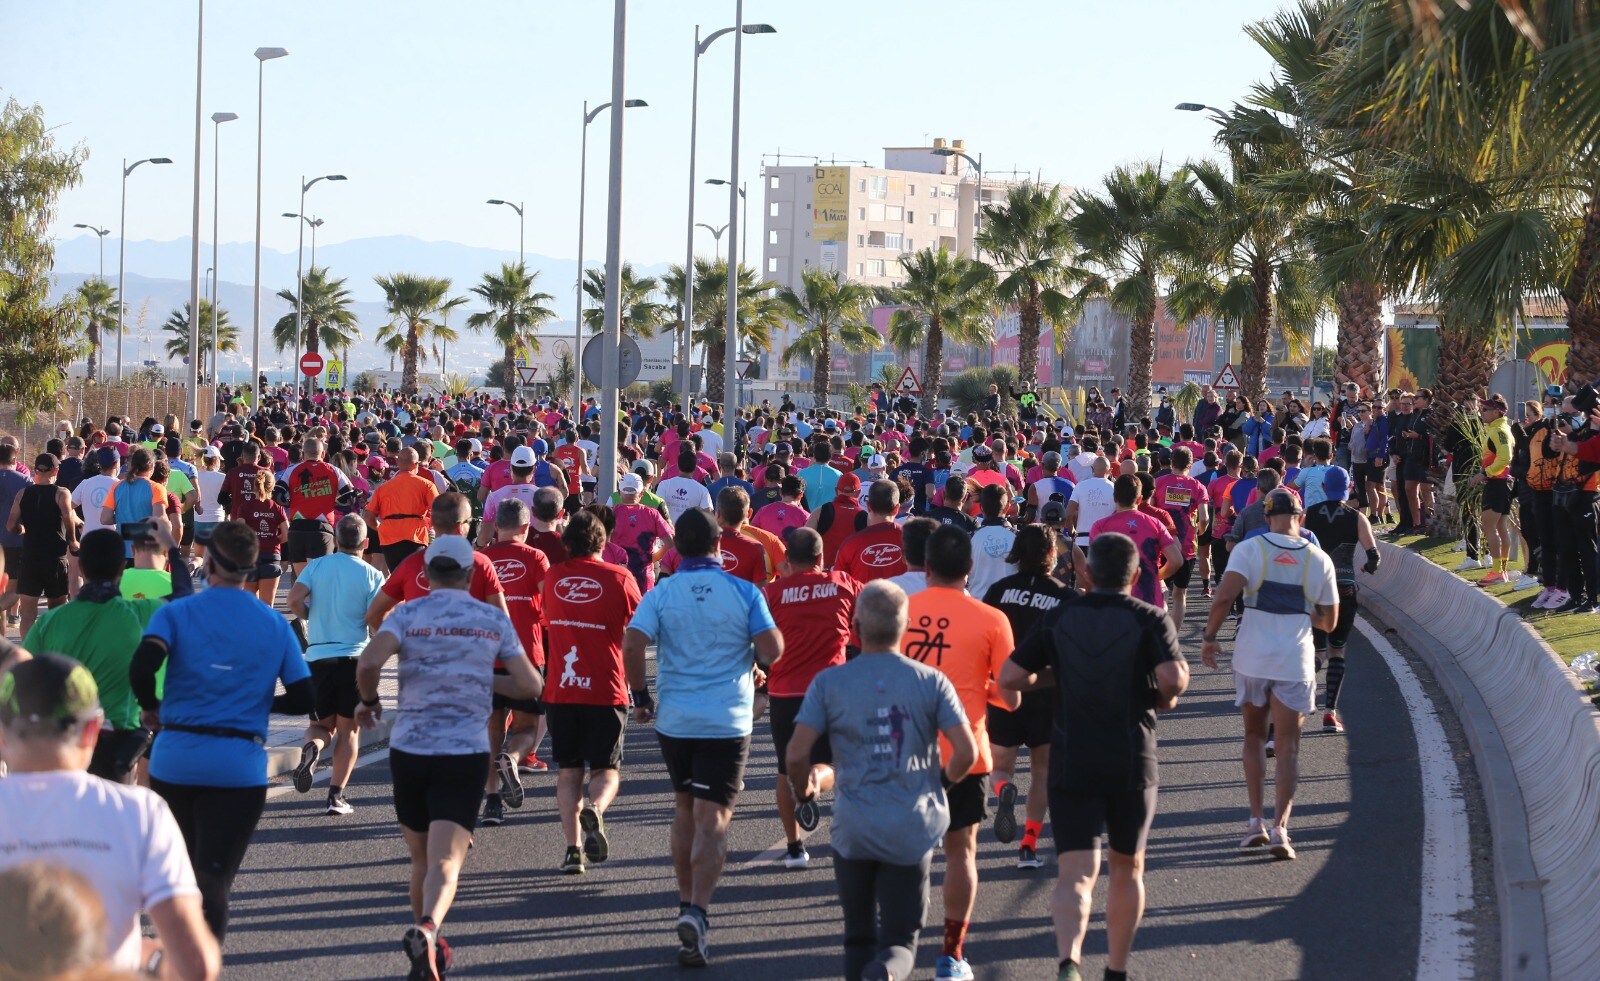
x=1104, y=648
x=1025, y=598
x=70, y=473
x=950, y=516
x=918, y=475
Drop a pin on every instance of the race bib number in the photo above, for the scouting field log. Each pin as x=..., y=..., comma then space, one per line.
x=1179, y=497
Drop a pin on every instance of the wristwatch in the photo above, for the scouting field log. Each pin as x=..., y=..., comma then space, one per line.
x=370, y=702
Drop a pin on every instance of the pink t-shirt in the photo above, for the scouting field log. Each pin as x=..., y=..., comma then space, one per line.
x=1181, y=497
x=638, y=529
x=497, y=475
x=779, y=517
x=1151, y=538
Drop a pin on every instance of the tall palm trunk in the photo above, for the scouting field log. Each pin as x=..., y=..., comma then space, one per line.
x=1029, y=316
x=313, y=337
x=93, y=371
x=823, y=376
x=1255, y=336
x=716, y=358
x=1361, y=341
x=1582, y=294
x=1141, y=364
x=932, y=366
x=408, y=374
x=1466, y=362
x=509, y=375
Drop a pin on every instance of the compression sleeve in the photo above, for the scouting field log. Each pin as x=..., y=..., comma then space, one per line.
x=298, y=698
x=147, y=660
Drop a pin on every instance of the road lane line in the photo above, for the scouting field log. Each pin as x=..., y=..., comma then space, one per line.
x=1444, y=948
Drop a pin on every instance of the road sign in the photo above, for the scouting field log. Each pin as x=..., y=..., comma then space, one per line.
x=745, y=365
x=334, y=378
x=1227, y=378
x=311, y=364
x=521, y=354
x=525, y=375
x=909, y=383
x=629, y=361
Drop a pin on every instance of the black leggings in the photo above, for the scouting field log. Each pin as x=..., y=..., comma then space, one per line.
x=884, y=906
x=217, y=823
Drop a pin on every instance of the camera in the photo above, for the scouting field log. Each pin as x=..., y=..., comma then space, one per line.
x=1585, y=399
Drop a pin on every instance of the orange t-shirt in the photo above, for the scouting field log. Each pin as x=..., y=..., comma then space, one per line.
x=968, y=641
x=403, y=494
x=777, y=552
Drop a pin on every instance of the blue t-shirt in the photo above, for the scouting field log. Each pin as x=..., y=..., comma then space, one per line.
x=342, y=587
x=821, y=479
x=918, y=475
x=702, y=620
x=226, y=652
x=716, y=487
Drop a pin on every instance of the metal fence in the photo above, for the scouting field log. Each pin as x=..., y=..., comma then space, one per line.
x=99, y=402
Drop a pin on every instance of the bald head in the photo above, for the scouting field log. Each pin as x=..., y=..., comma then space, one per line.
x=1101, y=466
x=407, y=460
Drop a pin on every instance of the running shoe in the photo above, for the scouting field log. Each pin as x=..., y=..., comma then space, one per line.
x=421, y=945
x=446, y=958
x=1028, y=858
x=796, y=857
x=1331, y=722
x=338, y=805
x=308, y=764
x=510, y=786
x=1558, y=599
x=1069, y=973
x=1279, y=845
x=807, y=814
x=1468, y=564
x=1543, y=599
x=532, y=764
x=494, y=812
x=572, y=862
x=1005, y=816
x=952, y=969
x=1524, y=581
x=1494, y=578
x=1272, y=748
x=595, y=844
x=1255, y=835
x=692, y=930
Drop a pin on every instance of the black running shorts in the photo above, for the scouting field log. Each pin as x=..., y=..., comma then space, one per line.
x=309, y=538
x=530, y=705
x=969, y=800
x=782, y=712
x=586, y=735
x=1028, y=726
x=42, y=576
x=437, y=788
x=708, y=769
x=1497, y=496
x=1124, y=817
x=1180, y=579
x=334, y=678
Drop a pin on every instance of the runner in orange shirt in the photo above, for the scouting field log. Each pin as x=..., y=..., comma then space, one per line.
x=968, y=642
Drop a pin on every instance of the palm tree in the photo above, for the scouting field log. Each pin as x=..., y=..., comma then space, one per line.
x=177, y=325
x=1029, y=239
x=326, y=315
x=97, y=306
x=416, y=306
x=834, y=311
x=515, y=314
x=1127, y=234
x=944, y=295
x=1241, y=260
x=642, y=315
x=759, y=314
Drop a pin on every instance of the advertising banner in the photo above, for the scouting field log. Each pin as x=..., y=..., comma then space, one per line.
x=1183, y=349
x=1414, y=355
x=830, y=204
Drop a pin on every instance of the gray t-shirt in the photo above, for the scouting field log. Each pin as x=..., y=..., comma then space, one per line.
x=883, y=713
x=448, y=645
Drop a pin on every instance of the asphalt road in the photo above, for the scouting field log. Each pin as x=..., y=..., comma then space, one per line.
x=325, y=897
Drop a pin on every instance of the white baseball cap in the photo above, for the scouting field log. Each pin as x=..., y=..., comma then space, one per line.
x=450, y=551
x=877, y=462
x=630, y=484
x=157, y=429
x=522, y=456
x=212, y=453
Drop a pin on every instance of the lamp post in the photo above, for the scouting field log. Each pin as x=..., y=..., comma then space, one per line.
x=700, y=47
x=263, y=55
x=583, y=175
x=300, y=278
x=100, y=233
x=744, y=233
x=612, y=331
x=716, y=233
x=122, y=248
x=217, y=118
x=211, y=292
x=521, y=227
x=977, y=226
x=192, y=376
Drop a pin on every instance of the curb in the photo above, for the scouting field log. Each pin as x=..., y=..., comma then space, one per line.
x=283, y=759
x=1536, y=746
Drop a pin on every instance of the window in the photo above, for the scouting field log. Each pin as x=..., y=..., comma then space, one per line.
x=933, y=191
x=861, y=185
x=933, y=217
x=893, y=212
x=861, y=269
x=773, y=182
x=911, y=245
x=862, y=212
x=894, y=240
x=772, y=237
x=911, y=217
x=772, y=210
x=950, y=191
x=874, y=267
x=772, y=267
x=879, y=187
x=975, y=219
x=911, y=190
x=861, y=240
x=897, y=186
x=875, y=240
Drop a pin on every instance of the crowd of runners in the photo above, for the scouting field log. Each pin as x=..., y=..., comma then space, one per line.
x=915, y=604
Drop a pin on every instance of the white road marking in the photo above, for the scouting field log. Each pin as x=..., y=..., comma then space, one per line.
x=324, y=772
x=1444, y=949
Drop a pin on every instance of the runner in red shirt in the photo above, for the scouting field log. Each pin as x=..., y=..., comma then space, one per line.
x=813, y=611
x=451, y=515
x=788, y=512
x=835, y=520
x=587, y=604
x=875, y=553
x=1185, y=498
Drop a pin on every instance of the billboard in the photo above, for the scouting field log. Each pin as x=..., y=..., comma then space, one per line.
x=1288, y=364
x=1183, y=351
x=1008, y=343
x=830, y=204
x=1414, y=355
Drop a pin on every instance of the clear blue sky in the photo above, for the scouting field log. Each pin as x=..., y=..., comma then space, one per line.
x=432, y=107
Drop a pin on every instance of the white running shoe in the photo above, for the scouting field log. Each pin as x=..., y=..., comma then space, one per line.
x=1255, y=835
x=1543, y=599
x=1280, y=845
x=1524, y=581
x=1468, y=564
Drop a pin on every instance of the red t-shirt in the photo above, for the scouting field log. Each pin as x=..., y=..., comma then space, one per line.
x=410, y=580
x=571, y=458
x=240, y=484
x=745, y=558
x=587, y=604
x=314, y=490
x=813, y=611
x=521, y=570
x=550, y=544
x=872, y=554
x=265, y=518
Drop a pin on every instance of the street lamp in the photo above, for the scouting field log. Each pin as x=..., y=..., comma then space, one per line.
x=744, y=233
x=101, y=233
x=192, y=375
x=583, y=174
x=263, y=55
x=300, y=278
x=313, y=224
x=122, y=248
x=218, y=118
x=730, y=383
x=700, y=47
x=977, y=227
x=716, y=233
x=1197, y=107
x=520, y=224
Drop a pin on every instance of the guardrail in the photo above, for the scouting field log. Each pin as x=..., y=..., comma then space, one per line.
x=1536, y=745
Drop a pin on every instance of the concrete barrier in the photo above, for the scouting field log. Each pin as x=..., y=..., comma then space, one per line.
x=1536, y=745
